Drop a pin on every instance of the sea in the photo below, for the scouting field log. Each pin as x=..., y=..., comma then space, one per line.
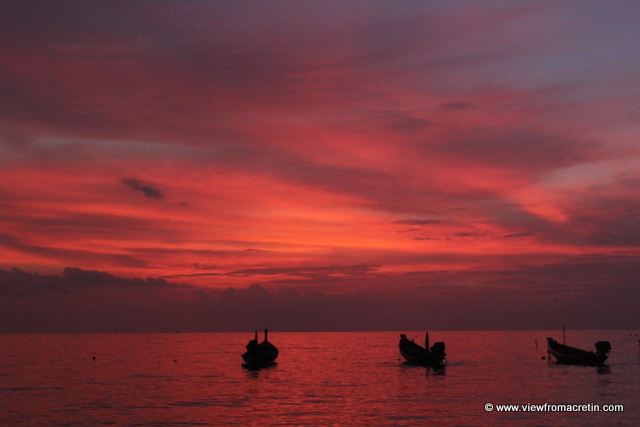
x=320, y=379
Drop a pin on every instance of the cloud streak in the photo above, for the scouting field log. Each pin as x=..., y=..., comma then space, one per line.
x=147, y=189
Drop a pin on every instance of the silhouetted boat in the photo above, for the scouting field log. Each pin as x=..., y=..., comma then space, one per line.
x=415, y=354
x=574, y=356
x=260, y=355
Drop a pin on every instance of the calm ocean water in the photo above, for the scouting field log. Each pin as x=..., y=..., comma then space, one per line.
x=320, y=379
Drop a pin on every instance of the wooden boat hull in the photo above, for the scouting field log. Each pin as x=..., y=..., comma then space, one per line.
x=567, y=355
x=261, y=358
x=413, y=357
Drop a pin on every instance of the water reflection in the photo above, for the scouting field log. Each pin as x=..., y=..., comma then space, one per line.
x=322, y=379
x=441, y=371
x=256, y=369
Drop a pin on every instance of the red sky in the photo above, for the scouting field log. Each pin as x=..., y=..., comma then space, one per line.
x=346, y=148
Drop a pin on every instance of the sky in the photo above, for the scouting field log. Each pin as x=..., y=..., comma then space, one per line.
x=335, y=165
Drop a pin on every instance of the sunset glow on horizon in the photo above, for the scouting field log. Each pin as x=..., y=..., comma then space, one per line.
x=346, y=148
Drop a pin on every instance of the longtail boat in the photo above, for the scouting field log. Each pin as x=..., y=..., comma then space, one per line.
x=567, y=355
x=415, y=354
x=260, y=355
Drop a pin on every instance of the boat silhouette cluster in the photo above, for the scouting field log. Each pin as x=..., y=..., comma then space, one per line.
x=264, y=354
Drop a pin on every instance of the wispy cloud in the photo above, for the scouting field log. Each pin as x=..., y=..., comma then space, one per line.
x=147, y=189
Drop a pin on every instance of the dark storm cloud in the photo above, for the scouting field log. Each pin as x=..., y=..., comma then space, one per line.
x=18, y=283
x=92, y=301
